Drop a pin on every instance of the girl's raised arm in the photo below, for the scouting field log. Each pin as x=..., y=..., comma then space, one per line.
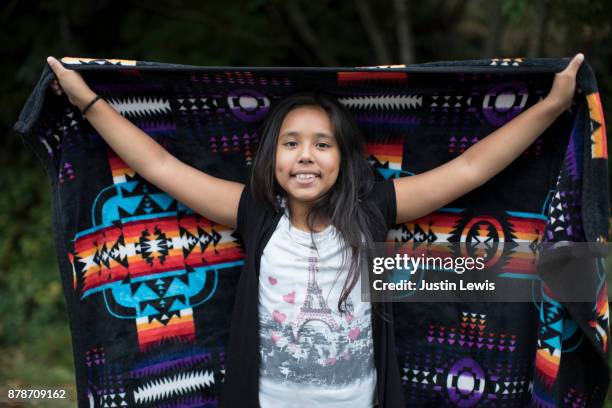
x=426, y=192
x=212, y=197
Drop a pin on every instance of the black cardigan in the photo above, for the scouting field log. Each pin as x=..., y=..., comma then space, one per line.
x=256, y=225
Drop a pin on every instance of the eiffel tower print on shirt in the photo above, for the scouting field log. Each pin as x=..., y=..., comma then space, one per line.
x=316, y=345
x=314, y=306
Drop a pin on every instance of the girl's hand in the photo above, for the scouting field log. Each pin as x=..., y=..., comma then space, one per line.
x=69, y=81
x=564, y=85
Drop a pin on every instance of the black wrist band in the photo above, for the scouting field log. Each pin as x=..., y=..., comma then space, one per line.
x=90, y=104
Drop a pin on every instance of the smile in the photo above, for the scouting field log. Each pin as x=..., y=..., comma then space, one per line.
x=305, y=179
x=305, y=176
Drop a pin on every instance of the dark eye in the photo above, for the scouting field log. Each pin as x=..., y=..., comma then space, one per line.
x=322, y=145
x=290, y=144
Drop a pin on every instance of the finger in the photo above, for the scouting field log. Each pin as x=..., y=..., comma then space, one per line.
x=575, y=63
x=55, y=65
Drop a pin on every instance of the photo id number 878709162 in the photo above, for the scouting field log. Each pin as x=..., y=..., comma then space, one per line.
x=28, y=394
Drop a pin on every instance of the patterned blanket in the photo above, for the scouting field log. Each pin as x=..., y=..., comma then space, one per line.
x=149, y=283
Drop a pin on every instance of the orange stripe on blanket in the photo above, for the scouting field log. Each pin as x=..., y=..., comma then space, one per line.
x=547, y=364
x=599, y=147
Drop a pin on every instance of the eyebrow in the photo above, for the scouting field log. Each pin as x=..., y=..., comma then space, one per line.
x=318, y=134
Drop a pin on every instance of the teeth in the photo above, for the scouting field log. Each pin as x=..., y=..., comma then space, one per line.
x=304, y=176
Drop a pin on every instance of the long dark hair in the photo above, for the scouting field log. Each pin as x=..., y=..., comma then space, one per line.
x=343, y=205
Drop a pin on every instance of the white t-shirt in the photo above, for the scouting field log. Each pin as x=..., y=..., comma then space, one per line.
x=311, y=355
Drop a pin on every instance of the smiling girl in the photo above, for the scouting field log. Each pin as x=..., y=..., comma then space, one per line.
x=300, y=335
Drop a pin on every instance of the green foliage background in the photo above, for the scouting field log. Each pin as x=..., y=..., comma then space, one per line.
x=34, y=334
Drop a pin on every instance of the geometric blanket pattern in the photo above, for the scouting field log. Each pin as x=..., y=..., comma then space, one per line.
x=149, y=283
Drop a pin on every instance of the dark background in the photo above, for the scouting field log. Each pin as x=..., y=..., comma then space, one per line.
x=35, y=348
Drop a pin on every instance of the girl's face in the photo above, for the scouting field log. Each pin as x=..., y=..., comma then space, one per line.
x=307, y=155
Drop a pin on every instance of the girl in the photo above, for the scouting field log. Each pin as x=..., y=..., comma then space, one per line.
x=297, y=339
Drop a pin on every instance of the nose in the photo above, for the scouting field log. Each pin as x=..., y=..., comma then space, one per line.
x=305, y=154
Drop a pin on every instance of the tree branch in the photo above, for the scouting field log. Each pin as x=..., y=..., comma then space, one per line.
x=306, y=34
x=375, y=36
x=495, y=29
x=540, y=29
x=404, y=31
